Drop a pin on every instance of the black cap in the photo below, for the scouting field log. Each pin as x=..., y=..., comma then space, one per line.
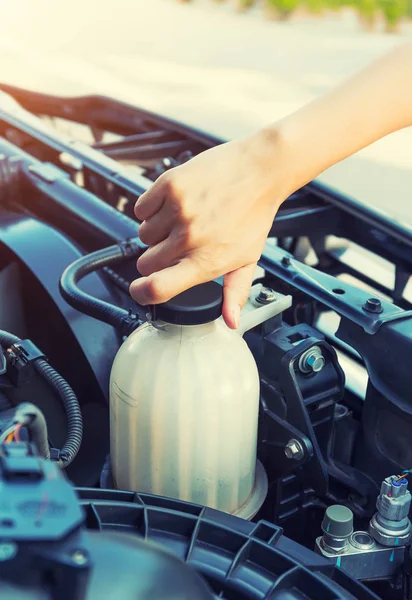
x=338, y=521
x=200, y=304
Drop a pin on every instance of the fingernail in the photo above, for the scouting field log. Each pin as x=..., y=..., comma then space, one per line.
x=236, y=316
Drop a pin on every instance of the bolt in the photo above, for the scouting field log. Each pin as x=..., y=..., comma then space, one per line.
x=341, y=411
x=79, y=557
x=7, y=551
x=266, y=296
x=294, y=449
x=312, y=361
x=373, y=305
x=285, y=261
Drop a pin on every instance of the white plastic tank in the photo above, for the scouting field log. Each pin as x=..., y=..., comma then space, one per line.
x=184, y=403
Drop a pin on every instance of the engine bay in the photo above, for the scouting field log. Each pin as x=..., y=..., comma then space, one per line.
x=335, y=417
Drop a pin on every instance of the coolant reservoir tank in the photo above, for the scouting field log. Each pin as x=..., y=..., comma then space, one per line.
x=184, y=403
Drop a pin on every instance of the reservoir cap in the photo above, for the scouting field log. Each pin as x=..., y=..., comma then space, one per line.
x=338, y=521
x=197, y=305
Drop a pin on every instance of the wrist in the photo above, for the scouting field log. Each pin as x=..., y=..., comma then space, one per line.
x=276, y=150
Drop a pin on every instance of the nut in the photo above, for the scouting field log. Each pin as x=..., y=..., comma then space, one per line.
x=294, y=449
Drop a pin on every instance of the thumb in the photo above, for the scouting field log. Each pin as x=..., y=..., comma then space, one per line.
x=236, y=288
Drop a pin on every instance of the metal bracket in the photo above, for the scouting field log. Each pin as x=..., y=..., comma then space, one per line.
x=48, y=172
x=296, y=424
x=347, y=300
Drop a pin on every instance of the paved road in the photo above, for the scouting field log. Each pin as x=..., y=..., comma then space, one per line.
x=205, y=65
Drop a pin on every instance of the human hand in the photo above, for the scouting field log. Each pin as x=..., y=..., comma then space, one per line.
x=210, y=217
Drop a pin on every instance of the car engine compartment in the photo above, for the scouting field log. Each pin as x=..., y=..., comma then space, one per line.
x=335, y=418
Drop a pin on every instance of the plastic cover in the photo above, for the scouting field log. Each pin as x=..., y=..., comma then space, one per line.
x=238, y=559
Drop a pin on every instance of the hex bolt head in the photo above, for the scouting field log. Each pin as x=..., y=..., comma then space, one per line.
x=312, y=361
x=286, y=261
x=266, y=296
x=80, y=557
x=373, y=305
x=7, y=551
x=294, y=450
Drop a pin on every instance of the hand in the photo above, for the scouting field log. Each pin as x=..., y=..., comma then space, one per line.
x=210, y=217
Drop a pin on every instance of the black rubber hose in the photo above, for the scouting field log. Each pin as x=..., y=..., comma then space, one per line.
x=67, y=397
x=117, y=279
x=8, y=339
x=87, y=304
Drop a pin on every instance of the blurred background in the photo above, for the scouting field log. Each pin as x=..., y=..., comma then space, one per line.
x=224, y=66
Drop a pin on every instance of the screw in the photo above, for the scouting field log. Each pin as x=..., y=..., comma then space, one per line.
x=7, y=551
x=373, y=305
x=266, y=296
x=312, y=361
x=285, y=261
x=79, y=557
x=294, y=449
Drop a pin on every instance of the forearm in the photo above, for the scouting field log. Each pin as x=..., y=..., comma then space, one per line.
x=186, y=212
x=374, y=103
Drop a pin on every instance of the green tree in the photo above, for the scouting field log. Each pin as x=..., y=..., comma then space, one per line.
x=367, y=10
x=245, y=4
x=393, y=11
x=316, y=6
x=281, y=9
x=337, y=4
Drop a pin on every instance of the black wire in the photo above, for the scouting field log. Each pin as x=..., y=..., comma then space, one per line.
x=67, y=397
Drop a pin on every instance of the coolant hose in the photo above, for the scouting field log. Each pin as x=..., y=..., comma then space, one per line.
x=67, y=397
x=87, y=304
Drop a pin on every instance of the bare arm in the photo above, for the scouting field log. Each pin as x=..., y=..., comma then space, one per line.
x=211, y=216
x=374, y=103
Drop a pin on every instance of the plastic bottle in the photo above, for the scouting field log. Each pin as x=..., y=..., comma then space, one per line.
x=184, y=403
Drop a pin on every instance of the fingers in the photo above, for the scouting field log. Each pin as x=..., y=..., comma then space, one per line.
x=158, y=257
x=157, y=228
x=151, y=201
x=164, y=285
x=237, y=286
